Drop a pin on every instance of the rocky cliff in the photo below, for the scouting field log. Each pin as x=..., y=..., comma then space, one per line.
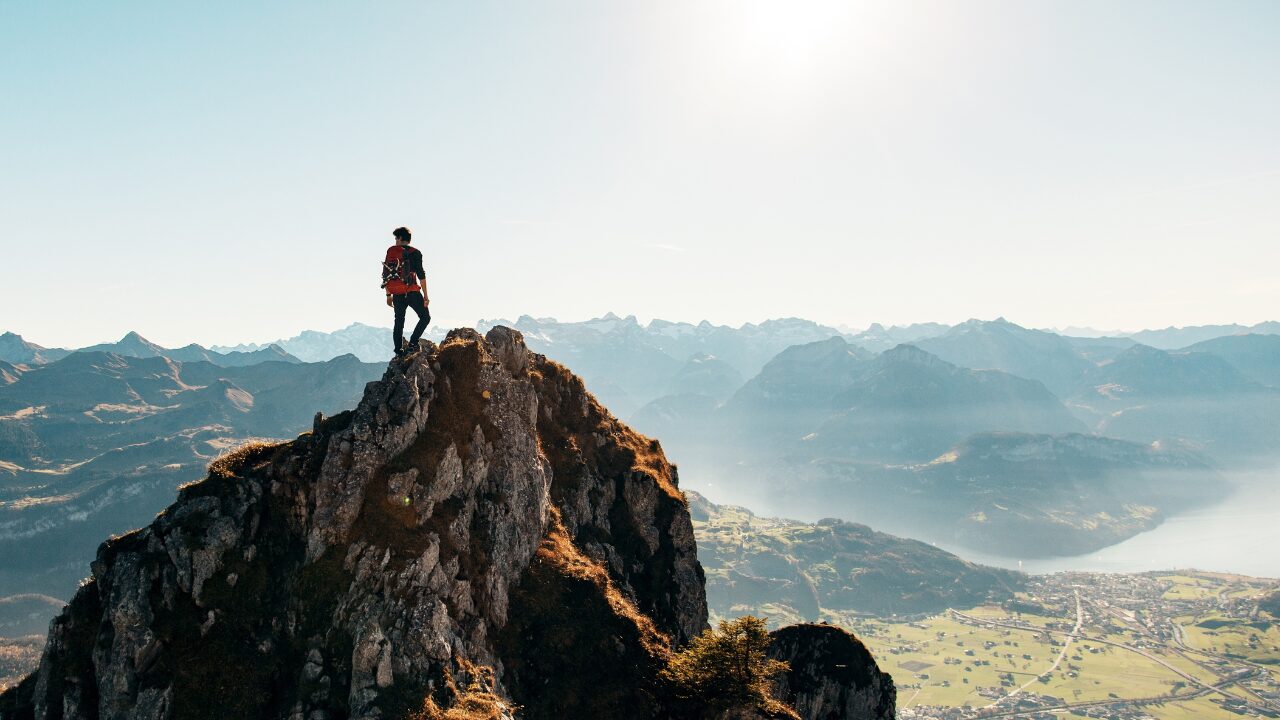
x=832, y=675
x=478, y=508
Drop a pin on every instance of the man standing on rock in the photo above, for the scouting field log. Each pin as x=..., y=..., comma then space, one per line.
x=405, y=282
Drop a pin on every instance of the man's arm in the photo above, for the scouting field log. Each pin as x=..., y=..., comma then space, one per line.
x=422, y=278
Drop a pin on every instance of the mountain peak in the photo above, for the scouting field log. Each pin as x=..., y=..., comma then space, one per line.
x=907, y=353
x=478, y=508
x=470, y=511
x=15, y=349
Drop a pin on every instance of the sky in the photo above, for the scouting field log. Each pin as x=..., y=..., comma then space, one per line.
x=231, y=172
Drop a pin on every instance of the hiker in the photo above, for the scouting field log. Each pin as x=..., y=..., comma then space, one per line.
x=406, y=286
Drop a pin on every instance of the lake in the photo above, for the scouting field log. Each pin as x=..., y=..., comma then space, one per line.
x=1240, y=534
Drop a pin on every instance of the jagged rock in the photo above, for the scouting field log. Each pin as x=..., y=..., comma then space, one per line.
x=832, y=675
x=478, y=508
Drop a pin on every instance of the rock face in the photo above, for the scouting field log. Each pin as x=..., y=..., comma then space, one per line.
x=832, y=676
x=479, y=507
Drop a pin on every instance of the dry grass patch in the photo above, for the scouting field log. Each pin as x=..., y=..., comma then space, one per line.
x=476, y=701
x=250, y=453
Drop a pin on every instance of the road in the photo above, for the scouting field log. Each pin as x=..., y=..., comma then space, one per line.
x=1180, y=639
x=1076, y=635
x=1171, y=697
x=1056, y=661
x=1186, y=651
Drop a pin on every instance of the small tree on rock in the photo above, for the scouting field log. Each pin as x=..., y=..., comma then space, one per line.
x=729, y=669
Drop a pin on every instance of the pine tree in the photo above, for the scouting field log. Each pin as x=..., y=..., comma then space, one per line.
x=729, y=668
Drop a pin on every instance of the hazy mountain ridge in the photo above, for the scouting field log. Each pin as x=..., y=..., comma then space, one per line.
x=95, y=443
x=628, y=364
x=14, y=349
x=1149, y=395
x=877, y=337
x=1172, y=338
x=910, y=406
x=1257, y=357
x=828, y=429
x=1018, y=494
x=903, y=405
x=370, y=344
x=133, y=426
x=792, y=571
x=1002, y=345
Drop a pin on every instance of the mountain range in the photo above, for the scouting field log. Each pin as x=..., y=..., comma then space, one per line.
x=631, y=364
x=96, y=443
x=1134, y=435
x=984, y=435
x=15, y=350
x=790, y=571
x=1018, y=494
x=477, y=509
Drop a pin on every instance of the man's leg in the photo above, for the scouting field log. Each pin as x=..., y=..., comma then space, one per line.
x=424, y=317
x=400, y=302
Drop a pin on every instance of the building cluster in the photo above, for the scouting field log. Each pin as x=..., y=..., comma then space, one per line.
x=1140, y=613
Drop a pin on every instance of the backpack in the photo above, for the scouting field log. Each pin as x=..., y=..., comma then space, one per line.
x=397, y=271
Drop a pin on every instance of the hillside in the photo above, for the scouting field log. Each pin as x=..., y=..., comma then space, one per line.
x=1257, y=357
x=478, y=508
x=1147, y=395
x=14, y=349
x=792, y=571
x=1018, y=494
x=96, y=443
x=627, y=364
x=909, y=405
x=833, y=399
x=1002, y=345
x=1171, y=338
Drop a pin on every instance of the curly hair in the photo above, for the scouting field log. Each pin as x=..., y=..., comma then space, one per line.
x=402, y=233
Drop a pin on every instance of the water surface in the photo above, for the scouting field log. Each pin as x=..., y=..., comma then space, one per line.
x=1239, y=534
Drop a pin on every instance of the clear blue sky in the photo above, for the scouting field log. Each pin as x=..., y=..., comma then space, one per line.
x=226, y=172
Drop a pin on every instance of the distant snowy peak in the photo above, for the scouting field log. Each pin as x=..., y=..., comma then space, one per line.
x=878, y=337
x=366, y=342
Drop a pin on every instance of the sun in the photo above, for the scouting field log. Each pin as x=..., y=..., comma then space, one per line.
x=791, y=36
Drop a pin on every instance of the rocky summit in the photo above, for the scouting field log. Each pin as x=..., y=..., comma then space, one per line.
x=478, y=509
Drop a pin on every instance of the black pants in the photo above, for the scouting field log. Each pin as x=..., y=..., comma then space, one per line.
x=409, y=300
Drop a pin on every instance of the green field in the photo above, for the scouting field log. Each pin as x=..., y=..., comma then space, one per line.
x=944, y=660
x=1257, y=641
x=1004, y=658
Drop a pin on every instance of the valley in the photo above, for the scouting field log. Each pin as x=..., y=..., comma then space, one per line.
x=1151, y=645
x=992, y=445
